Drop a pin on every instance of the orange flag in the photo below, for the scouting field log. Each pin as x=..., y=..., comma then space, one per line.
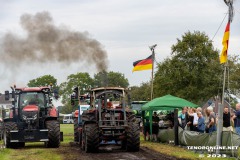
x=223, y=57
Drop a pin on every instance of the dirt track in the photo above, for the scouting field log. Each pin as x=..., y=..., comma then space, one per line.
x=110, y=152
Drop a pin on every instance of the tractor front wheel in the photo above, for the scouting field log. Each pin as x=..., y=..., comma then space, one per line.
x=133, y=135
x=53, y=127
x=76, y=134
x=9, y=126
x=91, y=137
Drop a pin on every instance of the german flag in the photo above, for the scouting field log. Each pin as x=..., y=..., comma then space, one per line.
x=144, y=64
x=223, y=57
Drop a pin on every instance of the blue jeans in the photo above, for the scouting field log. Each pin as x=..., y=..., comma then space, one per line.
x=238, y=130
x=212, y=129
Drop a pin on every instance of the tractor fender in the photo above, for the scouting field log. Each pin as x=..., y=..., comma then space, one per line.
x=75, y=115
x=53, y=112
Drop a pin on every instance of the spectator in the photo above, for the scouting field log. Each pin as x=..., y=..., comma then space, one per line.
x=199, y=109
x=237, y=117
x=182, y=118
x=155, y=127
x=195, y=118
x=190, y=119
x=212, y=120
x=146, y=130
x=201, y=123
x=206, y=120
x=232, y=121
x=226, y=120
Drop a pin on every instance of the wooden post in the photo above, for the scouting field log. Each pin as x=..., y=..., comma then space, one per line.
x=176, y=127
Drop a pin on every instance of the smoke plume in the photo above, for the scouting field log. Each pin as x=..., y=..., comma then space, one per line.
x=45, y=42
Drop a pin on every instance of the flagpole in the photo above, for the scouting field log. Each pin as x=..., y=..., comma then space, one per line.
x=229, y=3
x=152, y=48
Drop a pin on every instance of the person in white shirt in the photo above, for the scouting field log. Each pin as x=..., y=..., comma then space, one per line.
x=195, y=118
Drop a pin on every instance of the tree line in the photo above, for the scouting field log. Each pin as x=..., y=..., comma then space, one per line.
x=192, y=72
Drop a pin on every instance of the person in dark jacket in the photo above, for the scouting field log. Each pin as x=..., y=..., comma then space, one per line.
x=155, y=126
x=237, y=118
x=201, y=123
x=227, y=120
x=190, y=120
x=146, y=130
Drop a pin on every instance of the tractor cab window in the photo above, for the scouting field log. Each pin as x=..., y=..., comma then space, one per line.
x=32, y=98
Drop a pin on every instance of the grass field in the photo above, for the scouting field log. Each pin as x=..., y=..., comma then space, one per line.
x=37, y=151
x=177, y=152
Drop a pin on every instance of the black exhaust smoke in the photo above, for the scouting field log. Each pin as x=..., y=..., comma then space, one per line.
x=47, y=43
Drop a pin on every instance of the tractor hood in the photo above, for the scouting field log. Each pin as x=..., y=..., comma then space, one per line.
x=30, y=108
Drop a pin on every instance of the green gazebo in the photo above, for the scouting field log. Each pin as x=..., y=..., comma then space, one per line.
x=167, y=102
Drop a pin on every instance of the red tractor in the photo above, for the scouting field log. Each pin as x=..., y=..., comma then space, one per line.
x=107, y=123
x=32, y=118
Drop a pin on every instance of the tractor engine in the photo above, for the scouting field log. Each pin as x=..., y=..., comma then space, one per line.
x=30, y=115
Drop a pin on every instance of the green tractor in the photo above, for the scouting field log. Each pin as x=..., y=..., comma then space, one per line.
x=136, y=107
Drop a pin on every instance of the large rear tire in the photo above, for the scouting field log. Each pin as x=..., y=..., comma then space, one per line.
x=91, y=138
x=53, y=127
x=76, y=134
x=133, y=135
x=9, y=126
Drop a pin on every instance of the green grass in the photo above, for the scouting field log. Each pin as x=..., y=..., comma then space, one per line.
x=67, y=130
x=36, y=150
x=175, y=151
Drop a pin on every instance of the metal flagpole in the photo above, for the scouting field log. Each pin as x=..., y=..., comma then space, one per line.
x=229, y=3
x=153, y=59
x=152, y=48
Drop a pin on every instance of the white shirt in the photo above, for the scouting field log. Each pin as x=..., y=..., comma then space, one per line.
x=195, y=118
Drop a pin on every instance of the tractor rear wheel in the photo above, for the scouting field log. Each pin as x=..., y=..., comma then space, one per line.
x=133, y=135
x=53, y=127
x=91, y=137
x=76, y=134
x=9, y=126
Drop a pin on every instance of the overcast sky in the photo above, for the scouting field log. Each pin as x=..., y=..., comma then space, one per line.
x=125, y=28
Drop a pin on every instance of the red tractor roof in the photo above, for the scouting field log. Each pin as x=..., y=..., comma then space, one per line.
x=32, y=89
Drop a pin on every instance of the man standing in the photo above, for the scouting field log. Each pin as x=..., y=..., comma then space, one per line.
x=237, y=117
x=226, y=120
x=146, y=130
x=155, y=126
x=182, y=118
x=201, y=123
x=212, y=120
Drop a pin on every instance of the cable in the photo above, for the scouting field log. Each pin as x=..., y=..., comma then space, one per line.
x=219, y=26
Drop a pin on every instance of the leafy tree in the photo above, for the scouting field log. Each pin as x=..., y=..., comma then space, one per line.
x=141, y=93
x=192, y=72
x=234, y=74
x=45, y=80
x=81, y=80
x=111, y=79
